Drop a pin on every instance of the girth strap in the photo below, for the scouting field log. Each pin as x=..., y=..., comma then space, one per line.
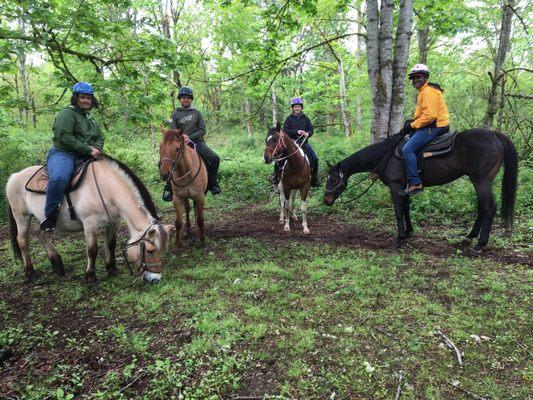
x=71, y=210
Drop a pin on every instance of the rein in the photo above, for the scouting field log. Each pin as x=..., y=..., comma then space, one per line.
x=144, y=266
x=283, y=147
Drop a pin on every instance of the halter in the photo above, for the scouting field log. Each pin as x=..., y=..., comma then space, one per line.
x=173, y=164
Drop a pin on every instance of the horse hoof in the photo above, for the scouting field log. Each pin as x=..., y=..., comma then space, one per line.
x=94, y=285
x=307, y=231
x=175, y=251
x=286, y=229
x=58, y=269
x=112, y=272
x=475, y=252
x=398, y=243
x=281, y=221
x=32, y=276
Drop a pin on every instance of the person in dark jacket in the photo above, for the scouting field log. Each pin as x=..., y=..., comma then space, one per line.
x=77, y=137
x=191, y=121
x=298, y=125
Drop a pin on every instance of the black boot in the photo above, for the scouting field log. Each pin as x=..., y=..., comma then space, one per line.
x=314, y=179
x=275, y=179
x=167, y=192
x=49, y=223
x=212, y=183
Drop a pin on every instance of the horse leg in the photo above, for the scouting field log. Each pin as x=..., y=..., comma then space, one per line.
x=282, y=201
x=53, y=255
x=287, y=226
x=23, y=222
x=178, y=223
x=92, y=252
x=199, y=213
x=407, y=216
x=488, y=207
x=477, y=225
x=303, y=195
x=187, y=206
x=398, y=202
x=293, y=209
x=110, y=246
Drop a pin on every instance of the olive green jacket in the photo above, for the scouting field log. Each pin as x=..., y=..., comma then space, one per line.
x=76, y=131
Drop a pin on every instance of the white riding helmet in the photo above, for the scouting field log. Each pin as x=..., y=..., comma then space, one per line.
x=419, y=69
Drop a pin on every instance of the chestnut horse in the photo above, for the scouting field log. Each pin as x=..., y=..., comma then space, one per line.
x=183, y=166
x=110, y=191
x=295, y=175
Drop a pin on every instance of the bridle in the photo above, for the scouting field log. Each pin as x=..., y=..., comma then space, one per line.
x=174, y=162
x=281, y=145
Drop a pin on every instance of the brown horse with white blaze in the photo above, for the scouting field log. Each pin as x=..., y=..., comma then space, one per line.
x=295, y=175
x=183, y=166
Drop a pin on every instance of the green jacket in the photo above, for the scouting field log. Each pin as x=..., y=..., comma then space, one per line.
x=75, y=131
x=191, y=121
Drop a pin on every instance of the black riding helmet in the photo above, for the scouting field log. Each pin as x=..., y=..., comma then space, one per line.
x=185, y=91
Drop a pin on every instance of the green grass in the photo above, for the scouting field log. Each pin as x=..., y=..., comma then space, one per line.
x=283, y=318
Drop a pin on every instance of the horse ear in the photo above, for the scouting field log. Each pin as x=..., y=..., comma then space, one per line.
x=278, y=126
x=329, y=165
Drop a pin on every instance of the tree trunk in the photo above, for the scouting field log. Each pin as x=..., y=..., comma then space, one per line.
x=248, y=113
x=359, y=115
x=497, y=76
x=274, y=107
x=24, y=79
x=386, y=76
x=343, y=101
x=399, y=64
x=423, y=44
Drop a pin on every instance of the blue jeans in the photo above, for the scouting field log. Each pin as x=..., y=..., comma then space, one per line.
x=415, y=143
x=60, y=166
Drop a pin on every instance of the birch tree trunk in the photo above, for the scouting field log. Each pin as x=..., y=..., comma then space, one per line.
x=359, y=114
x=274, y=107
x=423, y=44
x=386, y=76
x=343, y=100
x=248, y=113
x=24, y=79
x=498, y=74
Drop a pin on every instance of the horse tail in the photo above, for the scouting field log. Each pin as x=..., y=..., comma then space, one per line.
x=13, y=231
x=510, y=180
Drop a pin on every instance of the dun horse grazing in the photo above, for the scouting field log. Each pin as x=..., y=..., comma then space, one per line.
x=183, y=166
x=110, y=191
x=478, y=153
x=296, y=174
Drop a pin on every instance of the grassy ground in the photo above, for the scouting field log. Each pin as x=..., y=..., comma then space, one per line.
x=261, y=314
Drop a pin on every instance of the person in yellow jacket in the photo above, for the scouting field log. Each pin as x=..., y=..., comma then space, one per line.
x=431, y=119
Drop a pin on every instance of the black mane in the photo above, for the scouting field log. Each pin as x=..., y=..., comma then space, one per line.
x=143, y=191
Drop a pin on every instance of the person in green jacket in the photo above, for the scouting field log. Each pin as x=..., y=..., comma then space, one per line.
x=77, y=137
x=191, y=121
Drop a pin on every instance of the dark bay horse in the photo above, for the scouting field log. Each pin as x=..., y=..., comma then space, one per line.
x=296, y=174
x=478, y=153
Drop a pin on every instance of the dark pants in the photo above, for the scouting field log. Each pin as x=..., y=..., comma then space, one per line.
x=60, y=166
x=416, y=142
x=211, y=159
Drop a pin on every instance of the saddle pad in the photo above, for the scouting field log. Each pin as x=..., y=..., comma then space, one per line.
x=39, y=180
x=440, y=145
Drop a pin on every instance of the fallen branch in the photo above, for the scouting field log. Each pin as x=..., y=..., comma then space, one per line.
x=455, y=384
x=399, y=388
x=451, y=345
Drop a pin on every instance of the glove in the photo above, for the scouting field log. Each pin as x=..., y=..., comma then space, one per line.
x=407, y=129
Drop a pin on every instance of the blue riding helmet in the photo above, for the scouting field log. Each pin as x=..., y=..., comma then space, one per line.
x=297, y=101
x=185, y=91
x=83, y=88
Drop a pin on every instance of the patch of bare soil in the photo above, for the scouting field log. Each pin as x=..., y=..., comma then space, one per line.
x=328, y=229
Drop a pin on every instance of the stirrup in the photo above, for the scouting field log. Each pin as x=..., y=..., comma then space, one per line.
x=408, y=191
x=167, y=195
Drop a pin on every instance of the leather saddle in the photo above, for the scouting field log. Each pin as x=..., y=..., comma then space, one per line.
x=442, y=144
x=39, y=180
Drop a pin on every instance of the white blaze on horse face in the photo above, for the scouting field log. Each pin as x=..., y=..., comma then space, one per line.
x=151, y=277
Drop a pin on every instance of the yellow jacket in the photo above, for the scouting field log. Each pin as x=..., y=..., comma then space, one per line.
x=430, y=107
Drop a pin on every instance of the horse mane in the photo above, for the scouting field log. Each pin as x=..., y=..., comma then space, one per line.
x=139, y=186
x=371, y=154
x=172, y=134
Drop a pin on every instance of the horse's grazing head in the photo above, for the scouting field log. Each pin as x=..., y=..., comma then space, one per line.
x=146, y=252
x=171, y=150
x=274, y=143
x=335, y=184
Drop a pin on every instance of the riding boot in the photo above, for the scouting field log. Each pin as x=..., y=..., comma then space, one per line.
x=212, y=182
x=167, y=192
x=49, y=222
x=314, y=178
x=275, y=177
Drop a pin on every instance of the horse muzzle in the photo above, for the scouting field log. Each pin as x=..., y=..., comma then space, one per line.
x=329, y=199
x=151, y=277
